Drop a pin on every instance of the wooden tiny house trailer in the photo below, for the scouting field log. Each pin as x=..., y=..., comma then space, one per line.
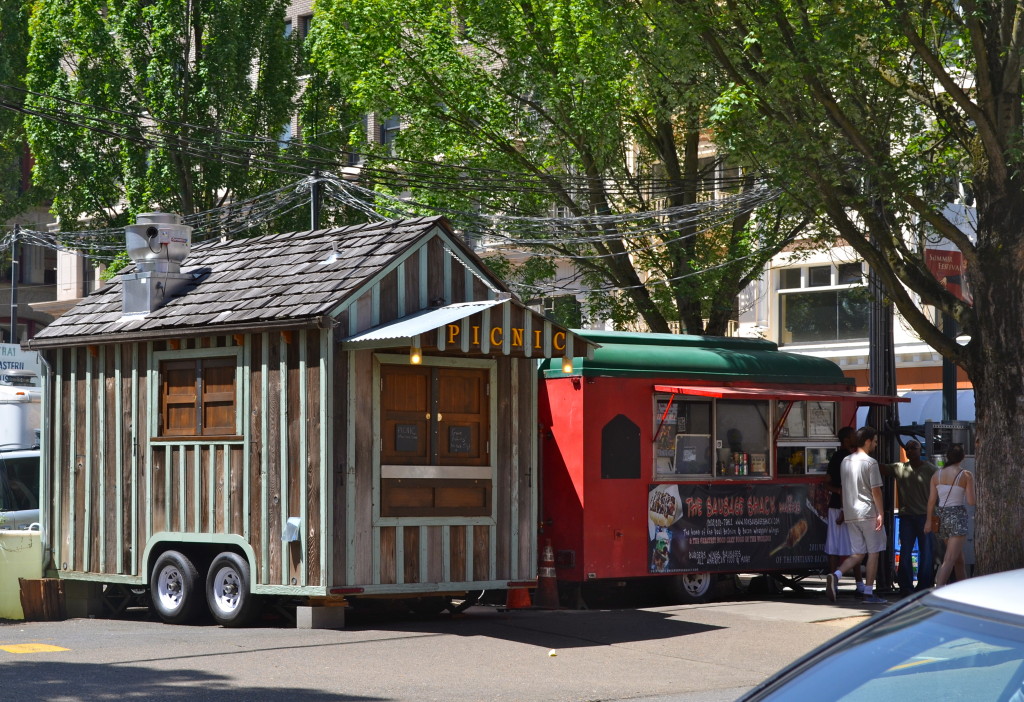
x=266, y=428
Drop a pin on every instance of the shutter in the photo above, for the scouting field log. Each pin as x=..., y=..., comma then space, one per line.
x=218, y=402
x=178, y=416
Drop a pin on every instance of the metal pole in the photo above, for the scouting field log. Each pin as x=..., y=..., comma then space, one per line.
x=949, y=400
x=14, y=285
x=882, y=379
x=314, y=201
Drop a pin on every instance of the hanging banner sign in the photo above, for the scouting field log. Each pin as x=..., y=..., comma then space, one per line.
x=950, y=269
x=730, y=528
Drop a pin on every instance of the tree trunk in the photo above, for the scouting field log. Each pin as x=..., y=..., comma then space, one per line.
x=996, y=369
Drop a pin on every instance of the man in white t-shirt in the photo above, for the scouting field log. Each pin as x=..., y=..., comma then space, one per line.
x=862, y=513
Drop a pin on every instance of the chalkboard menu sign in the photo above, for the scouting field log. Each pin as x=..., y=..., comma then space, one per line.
x=407, y=437
x=460, y=440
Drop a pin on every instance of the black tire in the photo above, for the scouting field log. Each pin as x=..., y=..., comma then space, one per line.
x=691, y=588
x=174, y=588
x=228, y=591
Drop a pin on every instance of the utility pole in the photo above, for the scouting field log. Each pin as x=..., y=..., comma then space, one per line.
x=14, y=284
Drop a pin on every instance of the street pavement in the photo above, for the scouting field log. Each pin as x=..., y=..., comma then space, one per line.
x=695, y=653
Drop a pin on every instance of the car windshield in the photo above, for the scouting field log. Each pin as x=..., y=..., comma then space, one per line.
x=922, y=653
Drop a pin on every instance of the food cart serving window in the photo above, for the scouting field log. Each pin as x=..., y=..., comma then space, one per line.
x=683, y=458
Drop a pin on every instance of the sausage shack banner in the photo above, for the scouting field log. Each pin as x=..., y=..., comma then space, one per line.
x=727, y=528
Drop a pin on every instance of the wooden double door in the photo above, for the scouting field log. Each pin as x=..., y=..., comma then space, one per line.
x=435, y=427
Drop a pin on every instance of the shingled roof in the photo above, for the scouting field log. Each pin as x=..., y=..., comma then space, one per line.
x=269, y=280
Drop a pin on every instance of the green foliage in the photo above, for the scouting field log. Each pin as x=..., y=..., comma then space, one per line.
x=594, y=107
x=191, y=69
x=13, y=51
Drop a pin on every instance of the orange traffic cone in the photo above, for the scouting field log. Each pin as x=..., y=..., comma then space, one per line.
x=518, y=598
x=547, y=585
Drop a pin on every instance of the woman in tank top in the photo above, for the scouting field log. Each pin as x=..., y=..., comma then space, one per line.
x=952, y=489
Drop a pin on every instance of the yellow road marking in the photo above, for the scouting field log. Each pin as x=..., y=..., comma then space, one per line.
x=30, y=648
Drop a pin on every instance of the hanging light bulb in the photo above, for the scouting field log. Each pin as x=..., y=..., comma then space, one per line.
x=566, y=364
x=415, y=355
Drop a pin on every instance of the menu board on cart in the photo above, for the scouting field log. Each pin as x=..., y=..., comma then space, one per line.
x=736, y=528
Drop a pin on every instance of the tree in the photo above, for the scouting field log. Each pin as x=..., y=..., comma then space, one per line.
x=870, y=112
x=593, y=110
x=137, y=102
x=14, y=40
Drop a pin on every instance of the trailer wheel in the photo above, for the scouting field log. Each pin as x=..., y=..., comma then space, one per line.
x=227, y=591
x=690, y=588
x=174, y=588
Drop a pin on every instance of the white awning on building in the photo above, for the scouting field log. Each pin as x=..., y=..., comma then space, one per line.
x=926, y=406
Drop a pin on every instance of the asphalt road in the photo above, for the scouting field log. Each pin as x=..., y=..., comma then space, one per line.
x=705, y=653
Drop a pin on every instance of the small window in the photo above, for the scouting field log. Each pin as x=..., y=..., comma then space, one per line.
x=287, y=29
x=851, y=274
x=305, y=22
x=389, y=129
x=197, y=397
x=789, y=278
x=819, y=276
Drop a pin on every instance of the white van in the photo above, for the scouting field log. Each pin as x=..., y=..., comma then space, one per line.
x=19, y=489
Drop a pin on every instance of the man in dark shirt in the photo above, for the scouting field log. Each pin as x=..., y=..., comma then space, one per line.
x=837, y=542
x=914, y=479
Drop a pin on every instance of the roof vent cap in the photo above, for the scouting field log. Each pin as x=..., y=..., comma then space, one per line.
x=158, y=242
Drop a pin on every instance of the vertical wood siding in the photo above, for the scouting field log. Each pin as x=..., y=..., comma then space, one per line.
x=114, y=486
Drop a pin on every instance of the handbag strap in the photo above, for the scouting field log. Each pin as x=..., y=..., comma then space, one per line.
x=952, y=485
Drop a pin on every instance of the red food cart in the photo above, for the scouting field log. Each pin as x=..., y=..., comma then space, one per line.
x=686, y=458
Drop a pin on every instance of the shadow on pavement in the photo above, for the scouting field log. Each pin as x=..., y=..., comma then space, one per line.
x=561, y=629
x=83, y=682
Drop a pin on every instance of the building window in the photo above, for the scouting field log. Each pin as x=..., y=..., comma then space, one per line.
x=305, y=22
x=823, y=303
x=389, y=129
x=197, y=397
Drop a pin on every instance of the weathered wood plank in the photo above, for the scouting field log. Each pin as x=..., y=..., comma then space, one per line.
x=78, y=513
x=436, y=259
x=294, y=468
x=388, y=556
x=253, y=490
x=481, y=552
x=272, y=488
x=503, y=484
x=432, y=570
x=411, y=554
x=366, y=445
x=457, y=553
x=311, y=516
x=389, y=297
x=342, y=472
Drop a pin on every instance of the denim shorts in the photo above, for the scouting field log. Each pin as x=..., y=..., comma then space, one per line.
x=953, y=521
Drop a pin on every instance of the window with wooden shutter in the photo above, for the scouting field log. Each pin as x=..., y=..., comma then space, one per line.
x=435, y=452
x=197, y=397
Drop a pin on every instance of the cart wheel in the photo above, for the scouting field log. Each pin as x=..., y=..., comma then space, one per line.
x=690, y=588
x=175, y=594
x=227, y=591
x=458, y=606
